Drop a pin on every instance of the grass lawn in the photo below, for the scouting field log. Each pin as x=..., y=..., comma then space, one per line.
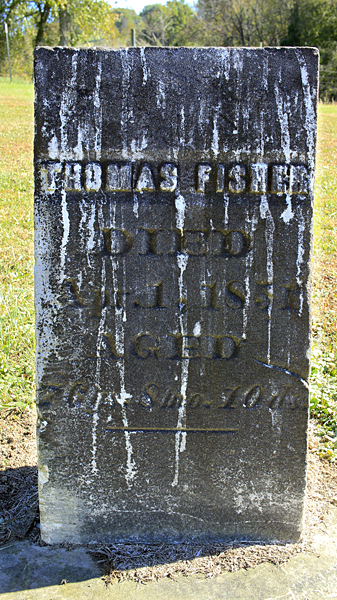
x=16, y=261
x=324, y=355
x=16, y=244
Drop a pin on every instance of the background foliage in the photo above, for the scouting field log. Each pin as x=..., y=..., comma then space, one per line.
x=208, y=23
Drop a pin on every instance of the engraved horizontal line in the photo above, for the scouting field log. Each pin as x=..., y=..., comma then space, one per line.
x=172, y=429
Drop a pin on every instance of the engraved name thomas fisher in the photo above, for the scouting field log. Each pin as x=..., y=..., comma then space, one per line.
x=256, y=178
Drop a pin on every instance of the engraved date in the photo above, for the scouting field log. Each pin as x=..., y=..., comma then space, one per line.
x=254, y=396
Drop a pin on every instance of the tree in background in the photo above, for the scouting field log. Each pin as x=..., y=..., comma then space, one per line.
x=64, y=23
x=126, y=19
x=184, y=26
x=87, y=23
x=244, y=22
x=53, y=22
x=42, y=15
x=314, y=23
x=20, y=39
x=174, y=24
x=153, y=26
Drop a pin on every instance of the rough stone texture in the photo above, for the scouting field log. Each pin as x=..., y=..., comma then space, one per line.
x=173, y=206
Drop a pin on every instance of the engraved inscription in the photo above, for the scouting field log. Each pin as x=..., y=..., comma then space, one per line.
x=237, y=179
x=203, y=176
x=116, y=241
x=72, y=177
x=145, y=182
x=93, y=177
x=177, y=346
x=154, y=295
x=235, y=294
x=280, y=179
x=234, y=178
x=76, y=393
x=259, y=178
x=233, y=398
x=147, y=345
x=119, y=178
x=169, y=175
x=211, y=296
x=158, y=242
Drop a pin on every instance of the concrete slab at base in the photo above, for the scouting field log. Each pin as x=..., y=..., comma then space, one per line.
x=25, y=566
x=305, y=577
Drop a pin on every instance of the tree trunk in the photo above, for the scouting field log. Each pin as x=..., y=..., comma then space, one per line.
x=43, y=17
x=63, y=26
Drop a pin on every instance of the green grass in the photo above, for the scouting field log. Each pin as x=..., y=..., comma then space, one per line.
x=16, y=244
x=16, y=262
x=324, y=354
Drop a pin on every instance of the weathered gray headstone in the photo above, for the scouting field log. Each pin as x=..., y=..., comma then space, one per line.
x=174, y=192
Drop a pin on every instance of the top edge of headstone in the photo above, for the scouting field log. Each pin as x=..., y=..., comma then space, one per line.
x=157, y=85
x=159, y=49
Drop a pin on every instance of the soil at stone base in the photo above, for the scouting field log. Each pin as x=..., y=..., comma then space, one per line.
x=18, y=475
x=19, y=516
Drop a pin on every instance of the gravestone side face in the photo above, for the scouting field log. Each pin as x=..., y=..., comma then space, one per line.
x=173, y=211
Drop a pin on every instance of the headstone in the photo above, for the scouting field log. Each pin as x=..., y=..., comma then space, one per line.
x=173, y=205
